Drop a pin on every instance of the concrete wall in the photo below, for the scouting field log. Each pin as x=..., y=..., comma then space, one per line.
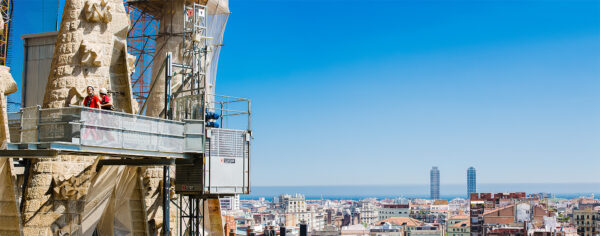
x=37, y=58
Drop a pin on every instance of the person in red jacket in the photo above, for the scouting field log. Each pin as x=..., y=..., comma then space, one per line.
x=91, y=100
x=105, y=103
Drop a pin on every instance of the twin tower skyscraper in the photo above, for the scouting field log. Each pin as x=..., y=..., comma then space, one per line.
x=434, y=182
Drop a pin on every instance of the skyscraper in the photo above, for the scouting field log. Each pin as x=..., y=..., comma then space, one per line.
x=434, y=182
x=471, y=181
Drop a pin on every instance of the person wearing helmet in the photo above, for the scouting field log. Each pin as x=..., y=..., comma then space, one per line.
x=91, y=100
x=105, y=103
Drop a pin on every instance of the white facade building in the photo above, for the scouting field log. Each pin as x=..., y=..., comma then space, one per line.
x=230, y=203
x=394, y=210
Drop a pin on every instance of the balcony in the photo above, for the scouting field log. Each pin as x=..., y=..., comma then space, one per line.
x=47, y=132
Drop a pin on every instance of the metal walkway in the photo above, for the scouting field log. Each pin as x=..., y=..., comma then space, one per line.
x=39, y=132
x=38, y=150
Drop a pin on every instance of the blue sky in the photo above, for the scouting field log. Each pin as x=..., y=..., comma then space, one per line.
x=377, y=92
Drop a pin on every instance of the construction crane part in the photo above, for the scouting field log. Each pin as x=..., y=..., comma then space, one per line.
x=6, y=11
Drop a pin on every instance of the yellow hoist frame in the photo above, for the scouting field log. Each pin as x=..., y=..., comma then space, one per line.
x=5, y=8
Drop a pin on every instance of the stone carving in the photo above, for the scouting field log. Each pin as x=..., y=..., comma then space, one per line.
x=95, y=12
x=89, y=54
x=130, y=63
x=66, y=189
x=7, y=86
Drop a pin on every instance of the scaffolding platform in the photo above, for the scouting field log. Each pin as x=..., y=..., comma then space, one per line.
x=38, y=150
x=80, y=130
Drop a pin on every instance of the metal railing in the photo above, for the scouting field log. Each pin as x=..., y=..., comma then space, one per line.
x=95, y=127
x=234, y=112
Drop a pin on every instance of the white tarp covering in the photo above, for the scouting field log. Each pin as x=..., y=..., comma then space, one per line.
x=218, y=6
x=98, y=197
x=114, y=203
x=10, y=216
x=217, y=15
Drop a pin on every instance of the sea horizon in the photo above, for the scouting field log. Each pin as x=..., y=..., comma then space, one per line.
x=447, y=191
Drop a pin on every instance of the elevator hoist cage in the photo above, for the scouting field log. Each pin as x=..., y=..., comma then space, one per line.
x=217, y=128
x=223, y=166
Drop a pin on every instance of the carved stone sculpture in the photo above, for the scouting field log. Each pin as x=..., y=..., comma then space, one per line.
x=7, y=86
x=89, y=54
x=95, y=12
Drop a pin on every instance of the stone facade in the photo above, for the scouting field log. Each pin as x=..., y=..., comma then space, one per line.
x=54, y=201
x=91, y=49
x=9, y=213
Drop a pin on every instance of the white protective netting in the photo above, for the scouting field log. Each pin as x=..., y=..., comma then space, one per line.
x=217, y=15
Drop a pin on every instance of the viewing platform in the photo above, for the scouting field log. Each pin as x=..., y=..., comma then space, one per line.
x=79, y=130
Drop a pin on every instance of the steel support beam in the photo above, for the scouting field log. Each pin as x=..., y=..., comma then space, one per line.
x=166, y=202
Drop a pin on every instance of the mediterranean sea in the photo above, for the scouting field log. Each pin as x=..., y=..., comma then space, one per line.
x=447, y=191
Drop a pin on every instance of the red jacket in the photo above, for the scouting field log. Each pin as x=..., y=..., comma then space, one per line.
x=91, y=101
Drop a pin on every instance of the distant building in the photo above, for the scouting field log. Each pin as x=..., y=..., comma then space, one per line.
x=295, y=211
x=462, y=228
x=506, y=214
x=427, y=230
x=408, y=224
x=368, y=212
x=471, y=181
x=292, y=204
x=586, y=221
x=434, y=183
x=230, y=203
x=329, y=230
x=439, y=206
x=394, y=210
x=356, y=229
x=386, y=229
x=477, y=208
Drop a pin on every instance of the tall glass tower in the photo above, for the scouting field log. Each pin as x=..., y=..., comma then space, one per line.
x=434, y=183
x=471, y=181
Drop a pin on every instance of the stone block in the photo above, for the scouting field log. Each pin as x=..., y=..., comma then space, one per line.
x=74, y=218
x=32, y=205
x=75, y=207
x=35, y=231
x=42, y=167
x=9, y=223
x=36, y=192
x=8, y=208
x=62, y=221
x=59, y=206
x=10, y=232
x=41, y=219
x=40, y=180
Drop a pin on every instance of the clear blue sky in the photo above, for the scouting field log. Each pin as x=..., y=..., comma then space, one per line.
x=377, y=92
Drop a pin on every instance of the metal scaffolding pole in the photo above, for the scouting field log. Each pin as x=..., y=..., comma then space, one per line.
x=166, y=201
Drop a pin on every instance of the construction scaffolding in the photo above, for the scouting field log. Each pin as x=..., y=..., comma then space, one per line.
x=6, y=11
x=141, y=43
x=192, y=98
